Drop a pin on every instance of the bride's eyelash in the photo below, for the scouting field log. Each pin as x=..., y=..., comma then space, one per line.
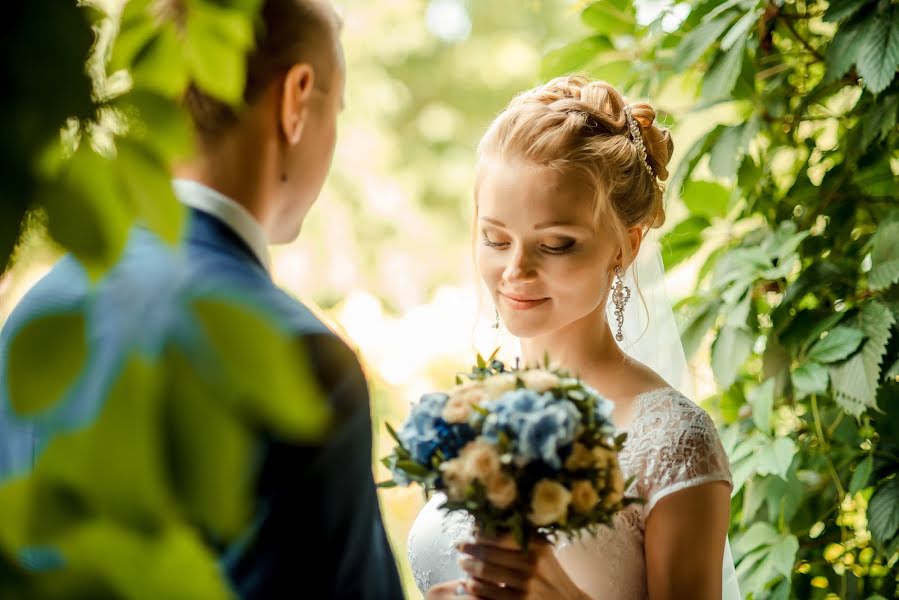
x=492, y=244
x=563, y=249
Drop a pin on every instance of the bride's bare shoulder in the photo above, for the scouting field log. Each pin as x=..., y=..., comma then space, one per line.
x=640, y=379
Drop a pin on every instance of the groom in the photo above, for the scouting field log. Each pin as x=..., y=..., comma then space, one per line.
x=257, y=172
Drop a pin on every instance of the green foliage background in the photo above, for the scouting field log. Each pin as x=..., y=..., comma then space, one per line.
x=783, y=211
x=793, y=224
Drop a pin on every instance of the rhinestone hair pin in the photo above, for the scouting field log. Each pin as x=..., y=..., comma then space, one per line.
x=637, y=138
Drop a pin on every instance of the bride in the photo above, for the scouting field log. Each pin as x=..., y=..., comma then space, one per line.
x=568, y=184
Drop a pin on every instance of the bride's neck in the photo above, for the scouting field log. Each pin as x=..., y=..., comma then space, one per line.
x=579, y=347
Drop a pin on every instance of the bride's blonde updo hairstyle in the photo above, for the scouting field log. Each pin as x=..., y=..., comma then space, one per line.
x=579, y=128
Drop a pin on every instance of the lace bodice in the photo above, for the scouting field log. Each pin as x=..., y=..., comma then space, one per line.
x=672, y=445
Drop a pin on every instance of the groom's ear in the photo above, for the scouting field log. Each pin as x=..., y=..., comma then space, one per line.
x=297, y=88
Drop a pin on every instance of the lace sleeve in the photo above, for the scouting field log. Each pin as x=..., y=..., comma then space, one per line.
x=679, y=448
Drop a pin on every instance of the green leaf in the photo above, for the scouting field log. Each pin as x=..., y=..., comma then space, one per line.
x=115, y=467
x=839, y=343
x=810, y=378
x=843, y=51
x=740, y=29
x=697, y=41
x=761, y=399
x=757, y=536
x=723, y=74
x=698, y=326
x=883, y=512
x=688, y=163
x=46, y=355
x=290, y=403
x=574, y=56
x=86, y=212
x=878, y=56
x=706, y=198
x=160, y=66
x=141, y=566
x=610, y=17
x=877, y=180
x=856, y=380
x=731, y=349
x=220, y=498
x=683, y=241
x=861, y=475
x=158, y=123
x=147, y=183
x=728, y=152
x=884, y=257
x=840, y=9
x=215, y=48
x=783, y=555
x=412, y=468
x=775, y=458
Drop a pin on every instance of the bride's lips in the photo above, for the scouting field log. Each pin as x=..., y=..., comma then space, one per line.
x=522, y=302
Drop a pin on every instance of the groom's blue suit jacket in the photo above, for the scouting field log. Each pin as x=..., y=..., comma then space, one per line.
x=318, y=531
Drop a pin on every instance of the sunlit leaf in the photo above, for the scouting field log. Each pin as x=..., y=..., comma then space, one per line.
x=683, y=241
x=878, y=56
x=706, y=198
x=610, y=17
x=723, y=74
x=861, y=475
x=730, y=350
x=810, y=378
x=839, y=343
x=45, y=358
x=883, y=511
x=761, y=399
x=147, y=183
x=574, y=57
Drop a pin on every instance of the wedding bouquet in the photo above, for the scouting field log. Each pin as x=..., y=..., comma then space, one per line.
x=531, y=451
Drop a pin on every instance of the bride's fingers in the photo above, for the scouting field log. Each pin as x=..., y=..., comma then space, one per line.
x=510, y=559
x=485, y=590
x=493, y=573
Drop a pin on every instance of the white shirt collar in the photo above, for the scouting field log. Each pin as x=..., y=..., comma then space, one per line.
x=203, y=198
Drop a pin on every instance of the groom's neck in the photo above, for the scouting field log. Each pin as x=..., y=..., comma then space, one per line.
x=230, y=170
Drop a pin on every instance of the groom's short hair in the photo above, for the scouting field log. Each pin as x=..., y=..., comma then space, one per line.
x=288, y=32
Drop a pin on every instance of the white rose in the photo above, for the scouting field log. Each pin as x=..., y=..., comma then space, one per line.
x=455, y=479
x=549, y=503
x=539, y=380
x=501, y=490
x=583, y=497
x=498, y=385
x=481, y=460
x=458, y=407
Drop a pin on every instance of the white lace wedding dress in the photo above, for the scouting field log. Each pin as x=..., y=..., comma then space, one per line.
x=672, y=445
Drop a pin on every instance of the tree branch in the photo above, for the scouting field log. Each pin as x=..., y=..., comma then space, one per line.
x=789, y=25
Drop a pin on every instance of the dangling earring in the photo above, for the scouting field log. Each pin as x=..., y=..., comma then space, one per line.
x=496, y=318
x=620, y=295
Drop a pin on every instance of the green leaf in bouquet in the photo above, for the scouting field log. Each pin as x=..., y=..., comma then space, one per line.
x=46, y=356
x=481, y=363
x=412, y=468
x=386, y=485
x=392, y=432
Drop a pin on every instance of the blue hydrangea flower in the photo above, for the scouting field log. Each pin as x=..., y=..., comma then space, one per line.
x=547, y=431
x=510, y=411
x=420, y=434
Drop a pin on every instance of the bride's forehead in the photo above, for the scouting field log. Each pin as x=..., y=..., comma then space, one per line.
x=524, y=192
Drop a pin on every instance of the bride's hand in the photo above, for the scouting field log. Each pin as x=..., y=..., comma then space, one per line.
x=448, y=591
x=501, y=571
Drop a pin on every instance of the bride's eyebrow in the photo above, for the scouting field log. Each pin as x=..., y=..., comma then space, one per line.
x=493, y=221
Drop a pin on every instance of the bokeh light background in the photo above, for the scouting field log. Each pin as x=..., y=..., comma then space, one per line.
x=386, y=252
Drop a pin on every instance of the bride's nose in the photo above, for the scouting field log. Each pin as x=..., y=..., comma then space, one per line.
x=522, y=266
